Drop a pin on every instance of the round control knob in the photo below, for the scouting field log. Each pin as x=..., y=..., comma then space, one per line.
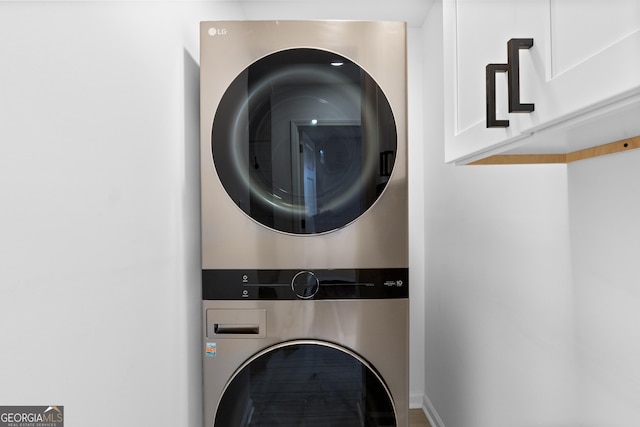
x=305, y=284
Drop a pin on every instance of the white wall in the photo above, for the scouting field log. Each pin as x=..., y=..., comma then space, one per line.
x=532, y=297
x=99, y=294
x=99, y=222
x=604, y=205
x=498, y=303
x=416, y=215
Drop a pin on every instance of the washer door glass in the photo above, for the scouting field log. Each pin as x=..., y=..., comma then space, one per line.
x=306, y=384
x=304, y=141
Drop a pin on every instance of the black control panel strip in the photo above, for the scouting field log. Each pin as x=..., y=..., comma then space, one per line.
x=305, y=284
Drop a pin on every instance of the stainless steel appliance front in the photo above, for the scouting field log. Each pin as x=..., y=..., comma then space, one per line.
x=316, y=363
x=304, y=222
x=303, y=146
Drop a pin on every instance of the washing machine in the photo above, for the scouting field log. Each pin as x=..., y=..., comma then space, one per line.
x=305, y=280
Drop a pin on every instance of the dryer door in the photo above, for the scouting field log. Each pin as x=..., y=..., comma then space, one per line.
x=304, y=141
x=306, y=383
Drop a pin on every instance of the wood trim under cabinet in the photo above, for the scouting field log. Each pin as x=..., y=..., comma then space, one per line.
x=525, y=159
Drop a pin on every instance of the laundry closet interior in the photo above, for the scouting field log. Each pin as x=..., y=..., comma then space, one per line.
x=483, y=277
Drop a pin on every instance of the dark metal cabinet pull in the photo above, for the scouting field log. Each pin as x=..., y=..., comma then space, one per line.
x=512, y=68
x=513, y=58
x=492, y=69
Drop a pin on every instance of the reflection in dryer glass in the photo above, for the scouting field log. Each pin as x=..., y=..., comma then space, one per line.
x=302, y=146
x=305, y=385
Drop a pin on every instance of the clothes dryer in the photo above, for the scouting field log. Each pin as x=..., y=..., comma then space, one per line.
x=304, y=223
x=303, y=153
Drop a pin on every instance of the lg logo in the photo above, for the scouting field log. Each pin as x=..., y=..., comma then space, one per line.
x=217, y=31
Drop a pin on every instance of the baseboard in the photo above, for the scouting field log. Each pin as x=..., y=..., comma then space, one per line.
x=415, y=401
x=431, y=413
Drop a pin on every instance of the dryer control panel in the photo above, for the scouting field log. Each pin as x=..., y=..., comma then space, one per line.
x=305, y=284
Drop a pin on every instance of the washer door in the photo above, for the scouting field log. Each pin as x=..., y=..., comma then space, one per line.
x=305, y=383
x=304, y=141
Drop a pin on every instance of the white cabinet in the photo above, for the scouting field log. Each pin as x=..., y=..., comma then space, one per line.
x=582, y=74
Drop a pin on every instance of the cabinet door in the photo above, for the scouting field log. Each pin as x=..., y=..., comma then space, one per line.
x=594, y=52
x=585, y=64
x=476, y=34
x=590, y=95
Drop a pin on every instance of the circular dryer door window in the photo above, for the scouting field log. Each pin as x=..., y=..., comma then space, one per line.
x=304, y=141
x=306, y=383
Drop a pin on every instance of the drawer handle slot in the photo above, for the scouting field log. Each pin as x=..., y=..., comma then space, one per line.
x=221, y=329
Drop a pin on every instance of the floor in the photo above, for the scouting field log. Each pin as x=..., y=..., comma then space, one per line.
x=417, y=418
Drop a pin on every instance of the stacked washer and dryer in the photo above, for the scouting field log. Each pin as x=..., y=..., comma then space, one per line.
x=304, y=223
